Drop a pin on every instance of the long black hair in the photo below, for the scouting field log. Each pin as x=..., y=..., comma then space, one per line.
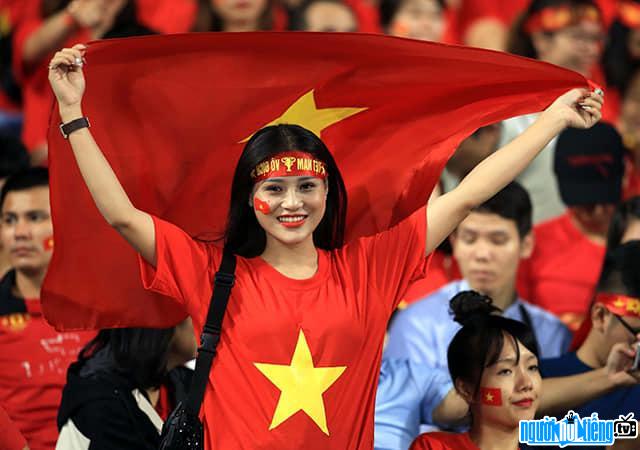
x=625, y=212
x=519, y=41
x=478, y=344
x=139, y=354
x=244, y=235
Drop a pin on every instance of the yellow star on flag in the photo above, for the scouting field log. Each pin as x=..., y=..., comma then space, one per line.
x=301, y=385
x=305, y=113
x=489, y=397
x=619, y=303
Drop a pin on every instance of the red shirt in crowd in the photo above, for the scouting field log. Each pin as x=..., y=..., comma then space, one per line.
x=11, y=12
x=10, y=437
x=37, y=96
x=298, y=360
x=563, y=270
x=33, y=363
x=443, y=441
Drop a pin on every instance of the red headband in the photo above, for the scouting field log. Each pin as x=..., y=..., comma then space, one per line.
x=289, y=164
x=616, y=304
x=555, y=18
x=629, y=13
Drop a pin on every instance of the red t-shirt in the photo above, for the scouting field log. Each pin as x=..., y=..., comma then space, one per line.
x=10, y=437
x=563, y=270
x=443, y=269
x=318, y=341
x=443, y=441
x=33, y=363
x=37, y=96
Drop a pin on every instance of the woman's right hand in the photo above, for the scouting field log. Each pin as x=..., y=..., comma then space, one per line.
x=66, y=77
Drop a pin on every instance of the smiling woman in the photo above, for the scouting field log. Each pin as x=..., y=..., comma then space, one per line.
x=301, y=342
x=494, y=366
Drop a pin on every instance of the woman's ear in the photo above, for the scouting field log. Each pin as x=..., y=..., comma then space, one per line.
x=463, y=390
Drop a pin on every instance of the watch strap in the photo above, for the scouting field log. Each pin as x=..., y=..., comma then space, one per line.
x=67, y=128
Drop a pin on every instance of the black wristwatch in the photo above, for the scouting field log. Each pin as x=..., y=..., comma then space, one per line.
x=67, y=128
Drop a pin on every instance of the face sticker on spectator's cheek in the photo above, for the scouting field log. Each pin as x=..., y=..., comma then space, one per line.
x=48, y=243
x=261, y=205
x=491, y=396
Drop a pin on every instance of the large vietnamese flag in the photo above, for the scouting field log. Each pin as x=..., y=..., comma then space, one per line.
x=170, y=114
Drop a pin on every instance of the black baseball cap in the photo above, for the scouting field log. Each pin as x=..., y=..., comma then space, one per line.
x=589, y=165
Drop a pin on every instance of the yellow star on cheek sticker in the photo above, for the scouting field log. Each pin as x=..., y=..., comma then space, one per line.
x=489, y=397
x=301, y=385
x=305, y=113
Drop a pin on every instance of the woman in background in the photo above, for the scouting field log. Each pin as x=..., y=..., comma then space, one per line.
x=113, y=391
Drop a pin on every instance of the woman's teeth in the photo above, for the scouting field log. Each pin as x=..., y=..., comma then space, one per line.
x=291, y=218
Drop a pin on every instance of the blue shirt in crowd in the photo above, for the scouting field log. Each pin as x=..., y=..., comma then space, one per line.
x=407, y=395
x=423, y=331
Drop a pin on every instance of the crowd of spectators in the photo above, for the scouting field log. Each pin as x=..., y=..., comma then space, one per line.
x=547, y=249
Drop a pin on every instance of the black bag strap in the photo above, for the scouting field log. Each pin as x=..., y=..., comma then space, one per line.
x=223, y=282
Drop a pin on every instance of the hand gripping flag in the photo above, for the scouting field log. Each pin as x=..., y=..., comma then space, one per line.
x=171, y=114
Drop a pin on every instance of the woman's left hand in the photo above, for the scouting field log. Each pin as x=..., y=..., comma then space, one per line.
x=577, y=108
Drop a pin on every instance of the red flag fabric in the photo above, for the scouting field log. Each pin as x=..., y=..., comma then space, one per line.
x=171, y=112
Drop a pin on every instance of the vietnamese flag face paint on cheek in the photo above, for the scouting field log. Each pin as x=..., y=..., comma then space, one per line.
x=262, y=206
x=48, y=243
x=491, y=396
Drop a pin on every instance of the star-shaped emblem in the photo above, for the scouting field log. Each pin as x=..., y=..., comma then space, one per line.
x=305, y=113
x=301, y=385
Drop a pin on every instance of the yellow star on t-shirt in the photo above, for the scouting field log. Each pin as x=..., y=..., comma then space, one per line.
x=301, y=385
x=305, y=113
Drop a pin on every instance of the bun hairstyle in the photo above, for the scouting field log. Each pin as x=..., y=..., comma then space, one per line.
x=478, y=344
x=468, y=307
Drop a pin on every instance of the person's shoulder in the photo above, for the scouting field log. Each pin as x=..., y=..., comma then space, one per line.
x=563, y=365
x=436, y=302
x=539, y=314
x=551, y=226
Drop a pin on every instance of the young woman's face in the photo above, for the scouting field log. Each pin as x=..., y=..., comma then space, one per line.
x=577, y=47
x=418, y=19
x=510, y=389
x=239, y=11
x=289, y=209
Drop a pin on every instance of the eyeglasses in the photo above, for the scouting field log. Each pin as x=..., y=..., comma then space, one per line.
x=634, y=331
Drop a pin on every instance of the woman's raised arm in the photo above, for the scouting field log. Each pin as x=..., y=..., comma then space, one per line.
x=68, y=83
x=577, y=108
